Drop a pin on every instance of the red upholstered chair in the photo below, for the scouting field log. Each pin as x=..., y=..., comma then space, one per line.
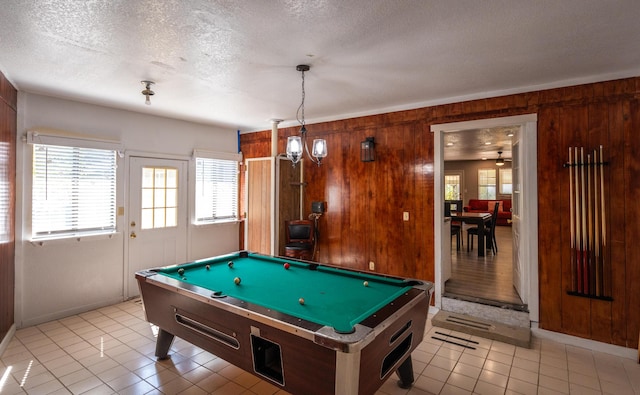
x=300, y=239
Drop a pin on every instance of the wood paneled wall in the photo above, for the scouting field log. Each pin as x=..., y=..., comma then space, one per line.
x=8, y=127
x=365, y=201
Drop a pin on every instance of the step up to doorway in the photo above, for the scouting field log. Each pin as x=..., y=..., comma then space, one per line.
x=518, y=336
x=502, y=314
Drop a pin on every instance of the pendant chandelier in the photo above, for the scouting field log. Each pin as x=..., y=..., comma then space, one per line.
x=500, y=160
x=297, y=144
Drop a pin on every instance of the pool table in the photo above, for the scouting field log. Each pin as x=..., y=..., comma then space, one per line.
x=307, y=328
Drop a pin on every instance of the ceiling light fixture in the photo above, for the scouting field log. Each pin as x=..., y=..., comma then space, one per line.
x=147, y=92
x=296, y=144
x=499, y=161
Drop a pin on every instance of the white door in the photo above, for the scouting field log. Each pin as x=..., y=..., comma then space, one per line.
x=516, y=210
x=157, y=228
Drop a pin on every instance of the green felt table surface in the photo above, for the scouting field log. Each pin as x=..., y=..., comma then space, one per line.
x=332, y=296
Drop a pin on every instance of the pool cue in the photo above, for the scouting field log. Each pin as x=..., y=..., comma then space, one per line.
x=596, y=237
x=584, y=247
x=577, y=224
x=571, y=221
x=605, y=275
x=590, y=259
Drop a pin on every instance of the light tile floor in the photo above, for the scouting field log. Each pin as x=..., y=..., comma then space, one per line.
x=110, y=351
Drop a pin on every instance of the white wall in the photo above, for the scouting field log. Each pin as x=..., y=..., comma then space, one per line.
x=60, y=278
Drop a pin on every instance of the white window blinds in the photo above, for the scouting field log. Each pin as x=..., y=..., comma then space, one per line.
x=74, y=191
x=216, y=190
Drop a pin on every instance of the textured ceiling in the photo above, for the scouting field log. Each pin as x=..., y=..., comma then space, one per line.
x=232, y=63
x=475, y=144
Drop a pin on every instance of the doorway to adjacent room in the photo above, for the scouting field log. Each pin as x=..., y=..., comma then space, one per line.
x=521, y=236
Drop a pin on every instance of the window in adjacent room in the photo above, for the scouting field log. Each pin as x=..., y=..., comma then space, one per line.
x=506, y=183
x=73, y=192
x=452, y=186
x=486, y=184
x=216, y=190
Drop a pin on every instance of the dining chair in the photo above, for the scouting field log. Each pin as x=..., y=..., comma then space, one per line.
x=491, y=232
x=455, y=206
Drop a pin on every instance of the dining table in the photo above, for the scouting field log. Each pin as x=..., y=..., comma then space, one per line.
x=483, y=221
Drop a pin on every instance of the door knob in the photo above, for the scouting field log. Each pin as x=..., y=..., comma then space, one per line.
x=132, y=235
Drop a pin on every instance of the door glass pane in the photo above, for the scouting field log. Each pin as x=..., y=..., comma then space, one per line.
x=172, y=217
x=172, y=194
x=147, y=177
x=158, y=218
x=172, y=178
x=158, y=200
x=160, y=178
x=147, y=198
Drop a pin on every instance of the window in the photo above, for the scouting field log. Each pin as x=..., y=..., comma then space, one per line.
x=74, y=191
x=506, y=183
x=486, y=184
x=452, y=186
x=216, y=190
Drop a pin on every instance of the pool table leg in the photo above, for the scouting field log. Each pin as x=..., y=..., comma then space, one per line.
x=405, y=372
x=163, y=343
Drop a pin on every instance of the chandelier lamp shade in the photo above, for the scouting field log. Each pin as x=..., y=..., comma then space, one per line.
x=296, y=145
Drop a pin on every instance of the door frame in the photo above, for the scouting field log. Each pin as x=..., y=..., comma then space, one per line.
x=127, y=212
x=528, y=127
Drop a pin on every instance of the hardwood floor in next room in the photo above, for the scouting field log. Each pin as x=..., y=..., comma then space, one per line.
x=487, y=279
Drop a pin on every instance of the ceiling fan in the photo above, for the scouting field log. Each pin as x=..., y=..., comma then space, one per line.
x=500, y=160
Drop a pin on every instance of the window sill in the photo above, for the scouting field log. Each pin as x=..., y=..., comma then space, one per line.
x=41, y=241
x=224, y=222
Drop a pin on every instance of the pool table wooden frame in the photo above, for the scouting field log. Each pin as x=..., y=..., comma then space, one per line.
x=296, y=355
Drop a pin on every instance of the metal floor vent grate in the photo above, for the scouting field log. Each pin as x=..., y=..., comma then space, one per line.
x=458, y=341
x=470, y=322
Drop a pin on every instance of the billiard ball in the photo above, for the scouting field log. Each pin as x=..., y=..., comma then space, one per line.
x=230, y=264
x=181, y=271
x=207, y=267
x=301, y=301
x=366, y=283
x=237, y=280
x=286, y=266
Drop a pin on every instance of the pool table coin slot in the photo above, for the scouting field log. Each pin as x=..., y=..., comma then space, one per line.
x=400, y=331
x=395, y=355
x=208, y=331
x=267, y=359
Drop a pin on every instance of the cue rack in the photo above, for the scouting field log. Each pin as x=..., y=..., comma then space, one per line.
x=590, y=268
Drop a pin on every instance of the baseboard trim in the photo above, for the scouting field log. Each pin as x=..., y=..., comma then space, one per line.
x=4, y=344
x=593, y=345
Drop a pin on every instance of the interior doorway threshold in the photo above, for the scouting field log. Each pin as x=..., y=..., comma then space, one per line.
x=518, y=336
x=488, y=302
